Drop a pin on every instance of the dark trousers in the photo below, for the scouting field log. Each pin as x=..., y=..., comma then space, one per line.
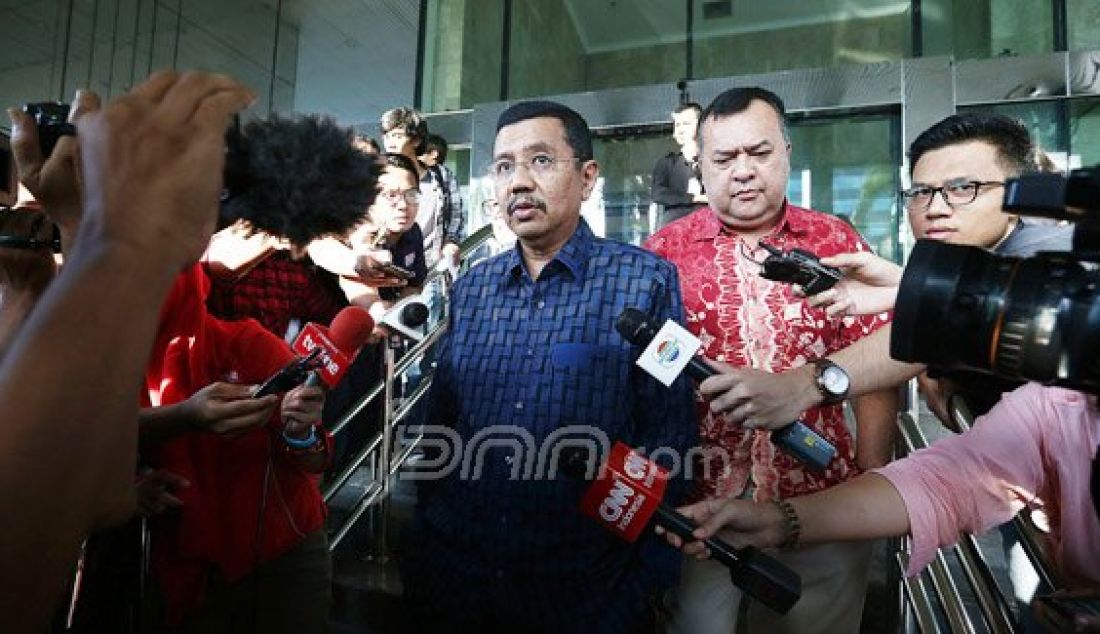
x=290, y=594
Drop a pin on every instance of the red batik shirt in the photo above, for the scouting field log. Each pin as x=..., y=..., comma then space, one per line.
x=748, y=321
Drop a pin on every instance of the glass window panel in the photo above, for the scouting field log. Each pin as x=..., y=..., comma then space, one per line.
x=564, y=46
x=1084, y=128
x=463, y=53
x=760, y=37
x=848, y=166
x=1083, y=21
x=969, y=29
x=626, y=166
x=1046, y=120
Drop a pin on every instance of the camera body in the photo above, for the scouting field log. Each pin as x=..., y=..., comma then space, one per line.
x=52, y=120
x=799, y=266
x=1022, y=319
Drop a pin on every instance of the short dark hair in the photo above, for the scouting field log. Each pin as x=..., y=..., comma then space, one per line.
x=1009, y=137
x=409, y=120
x=400, y=161
x=437, y=143
x=737, y=100
x=688, y=105
x=577, y=134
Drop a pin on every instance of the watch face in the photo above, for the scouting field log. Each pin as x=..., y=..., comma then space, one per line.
x=835, y=380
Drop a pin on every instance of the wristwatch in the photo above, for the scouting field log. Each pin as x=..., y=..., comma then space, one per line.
x=832, y=381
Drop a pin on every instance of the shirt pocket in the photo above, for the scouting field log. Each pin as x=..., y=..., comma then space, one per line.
x=589, y=378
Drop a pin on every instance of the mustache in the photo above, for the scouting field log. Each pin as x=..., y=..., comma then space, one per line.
x=525, y=199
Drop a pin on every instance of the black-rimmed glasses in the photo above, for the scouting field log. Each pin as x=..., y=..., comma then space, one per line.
x=954, y=193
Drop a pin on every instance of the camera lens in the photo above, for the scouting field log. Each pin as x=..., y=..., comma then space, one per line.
x=1033, y=319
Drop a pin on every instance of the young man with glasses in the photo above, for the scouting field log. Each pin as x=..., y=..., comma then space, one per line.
x=440, y=215
x=389, y=237
x=959, y=168
x=530, y=354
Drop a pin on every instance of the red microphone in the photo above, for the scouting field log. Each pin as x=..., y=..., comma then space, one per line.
x=339, y=343
x=325, y=354
x=627, y=492
x=626, y=498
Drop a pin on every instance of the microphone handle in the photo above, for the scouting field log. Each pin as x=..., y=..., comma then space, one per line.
x=795, y=438
x=759, y=575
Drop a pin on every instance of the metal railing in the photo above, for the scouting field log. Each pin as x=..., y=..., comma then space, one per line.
x=934, y=600
x=379, y=456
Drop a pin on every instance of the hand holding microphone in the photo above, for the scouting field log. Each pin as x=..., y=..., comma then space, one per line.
x=626, y=498
x=326, y=353
x=793, y=437
x=301, y=409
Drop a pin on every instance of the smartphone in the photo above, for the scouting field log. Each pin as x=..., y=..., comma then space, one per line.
x=393, y=270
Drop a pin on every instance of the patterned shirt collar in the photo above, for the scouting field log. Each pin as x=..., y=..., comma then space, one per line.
x=572, y=257
x=795, y=220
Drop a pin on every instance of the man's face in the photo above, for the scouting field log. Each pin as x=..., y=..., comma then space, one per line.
x=542, y=197
x=392, y=208
x=979, y=223
x=745, y=162
x=397, y=141
x=430, y=158
x=684, y=125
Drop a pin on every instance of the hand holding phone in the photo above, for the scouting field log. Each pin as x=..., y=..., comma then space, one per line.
x=800, y=267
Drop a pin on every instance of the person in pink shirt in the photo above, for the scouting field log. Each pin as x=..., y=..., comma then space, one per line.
x=1036, y=443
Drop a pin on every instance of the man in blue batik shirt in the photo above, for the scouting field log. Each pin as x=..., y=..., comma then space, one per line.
x=532, y=357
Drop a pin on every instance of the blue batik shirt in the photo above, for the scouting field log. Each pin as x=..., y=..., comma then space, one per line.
x=526, y=362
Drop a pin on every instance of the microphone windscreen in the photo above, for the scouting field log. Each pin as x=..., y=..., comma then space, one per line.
x=298, y=178
x=350, y=329
x=414, y=314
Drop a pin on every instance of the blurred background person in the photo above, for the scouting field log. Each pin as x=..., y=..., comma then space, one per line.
x=405, y=132
x=676, y=185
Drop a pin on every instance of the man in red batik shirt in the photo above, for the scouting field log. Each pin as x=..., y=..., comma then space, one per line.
x=745, y=320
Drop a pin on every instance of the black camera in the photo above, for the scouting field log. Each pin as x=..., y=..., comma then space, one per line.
x=1024, y=319
x=798, y=266
x=52, y=120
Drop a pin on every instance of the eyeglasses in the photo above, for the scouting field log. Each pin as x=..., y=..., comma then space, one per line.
x=954, y=193
x=540, y=165
x=410, y=196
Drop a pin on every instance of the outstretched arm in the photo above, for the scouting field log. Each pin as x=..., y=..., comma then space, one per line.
x=868, y=507
x=151, y=169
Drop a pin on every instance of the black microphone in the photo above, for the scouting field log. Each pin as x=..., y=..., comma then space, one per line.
x=627, y=498
x=795, y=438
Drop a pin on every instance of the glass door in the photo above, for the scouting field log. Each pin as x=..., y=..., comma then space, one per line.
x=847, y=165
